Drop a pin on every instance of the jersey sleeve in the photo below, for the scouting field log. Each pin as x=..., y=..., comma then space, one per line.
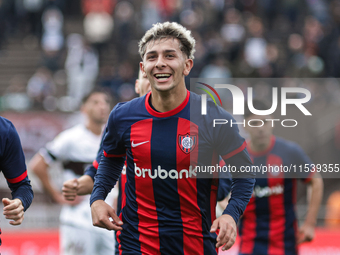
x=111, y=161
x=14, y=168
x=224, y=184
x=232, y=148
x=92, y=169
x=301, y=159
x=57, y=149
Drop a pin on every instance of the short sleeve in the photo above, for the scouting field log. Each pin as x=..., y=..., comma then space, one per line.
x=301, y=159
x=57, y=149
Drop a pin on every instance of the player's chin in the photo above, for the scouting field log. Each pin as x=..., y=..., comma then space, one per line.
x=164, y=87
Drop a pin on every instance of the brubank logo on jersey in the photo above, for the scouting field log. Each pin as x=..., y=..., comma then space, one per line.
x=163, y=174
x=239, y=102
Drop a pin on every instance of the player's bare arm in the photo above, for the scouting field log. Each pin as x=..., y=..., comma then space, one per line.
x=227, y=235
x=306, y=231
x=101, y=213
x=13, y=210
x=40, y=168
x=77, y=187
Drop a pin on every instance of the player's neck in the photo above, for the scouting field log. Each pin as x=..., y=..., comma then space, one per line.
x=261, y=146
x=95, y=128
x=169, y=100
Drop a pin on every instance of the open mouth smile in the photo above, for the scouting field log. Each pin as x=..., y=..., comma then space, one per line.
x=162, y=76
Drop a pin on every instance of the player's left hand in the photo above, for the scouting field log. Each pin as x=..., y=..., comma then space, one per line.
x=306, y=233
x=227, y=234
x=13, y=210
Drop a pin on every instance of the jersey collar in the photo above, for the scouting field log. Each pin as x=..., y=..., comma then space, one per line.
x=168, y=113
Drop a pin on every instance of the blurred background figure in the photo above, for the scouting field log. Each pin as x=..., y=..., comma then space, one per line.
x=41, y=86
x=81, y=67
x=76, y=148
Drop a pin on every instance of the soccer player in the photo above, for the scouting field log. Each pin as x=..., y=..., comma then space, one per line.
x=268, y=225
x=167, y=210
x=84, y=184
x=12, y=162
x=76, y=148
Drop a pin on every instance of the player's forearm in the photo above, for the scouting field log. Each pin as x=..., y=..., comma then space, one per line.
x=40, y=169
x=85, y=186
x=242, y=189
x=23, y=191
x=107, y=175
x=316, y=187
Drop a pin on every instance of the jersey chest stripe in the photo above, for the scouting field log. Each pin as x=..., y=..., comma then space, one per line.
x=123, y=182
x=147, y=214
x=187, y=190
x=276, y=211
x=249, y=228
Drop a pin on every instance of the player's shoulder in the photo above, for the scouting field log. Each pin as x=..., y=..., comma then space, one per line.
x=130, y=107
x=214, y=111
x=71, y=133
x=287, y=145
x=6, y=127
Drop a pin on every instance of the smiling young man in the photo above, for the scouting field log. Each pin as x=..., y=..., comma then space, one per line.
x=168, y=210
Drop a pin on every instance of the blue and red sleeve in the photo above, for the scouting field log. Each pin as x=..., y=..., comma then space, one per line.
x=111, y=162
x=14, y=168
x=92, y=169
x=232, y=147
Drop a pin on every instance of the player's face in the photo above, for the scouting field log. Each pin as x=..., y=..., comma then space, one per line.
x=165, y=65
x=259, y=135
x=97, y=108
x=142, y=86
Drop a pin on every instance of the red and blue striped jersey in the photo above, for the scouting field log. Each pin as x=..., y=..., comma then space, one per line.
x=167, y=210
x=12, y=163
x=268, y=225
x=224, y=186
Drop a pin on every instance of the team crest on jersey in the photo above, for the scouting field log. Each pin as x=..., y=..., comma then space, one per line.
x=187, y=142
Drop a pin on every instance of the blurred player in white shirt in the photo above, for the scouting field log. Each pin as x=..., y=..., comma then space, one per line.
x=76, y=148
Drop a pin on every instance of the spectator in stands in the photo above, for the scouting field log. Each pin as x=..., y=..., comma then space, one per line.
x=81, y=67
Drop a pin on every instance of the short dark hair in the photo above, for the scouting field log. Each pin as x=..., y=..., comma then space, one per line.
x=258, y=105
x=94, y=91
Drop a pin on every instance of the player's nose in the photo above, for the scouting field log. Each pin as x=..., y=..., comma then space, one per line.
x=160, y=63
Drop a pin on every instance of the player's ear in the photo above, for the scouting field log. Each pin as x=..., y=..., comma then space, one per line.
x=141, y=66
x=189, y=63
x=137, y=90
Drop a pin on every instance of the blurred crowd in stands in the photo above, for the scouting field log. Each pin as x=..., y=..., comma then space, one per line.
x=235, y=38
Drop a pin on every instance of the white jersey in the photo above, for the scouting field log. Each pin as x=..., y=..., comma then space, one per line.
x=75, y=148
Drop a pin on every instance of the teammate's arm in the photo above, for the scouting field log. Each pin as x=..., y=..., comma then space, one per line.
x=13, y=167
x=306, y=231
